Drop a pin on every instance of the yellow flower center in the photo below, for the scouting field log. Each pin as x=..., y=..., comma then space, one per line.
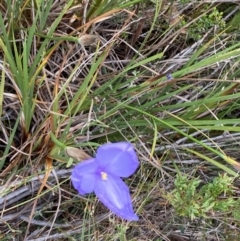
x=104, y=175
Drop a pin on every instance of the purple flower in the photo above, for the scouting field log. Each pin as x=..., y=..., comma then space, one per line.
x=101, y=175
x=169, y=76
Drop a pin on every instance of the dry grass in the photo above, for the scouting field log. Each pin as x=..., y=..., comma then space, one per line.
x=36, y=196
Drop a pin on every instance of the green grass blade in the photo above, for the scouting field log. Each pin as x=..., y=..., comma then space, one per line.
x=10, y=142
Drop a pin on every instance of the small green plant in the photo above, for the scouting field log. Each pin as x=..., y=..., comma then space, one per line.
x=191, y=200
x=204, y=23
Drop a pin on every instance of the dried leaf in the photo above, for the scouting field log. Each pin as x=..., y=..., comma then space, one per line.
x=77, y=154
x=73, y=18
x=88, y=39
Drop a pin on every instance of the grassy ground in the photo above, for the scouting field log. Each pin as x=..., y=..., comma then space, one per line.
x=162, y=75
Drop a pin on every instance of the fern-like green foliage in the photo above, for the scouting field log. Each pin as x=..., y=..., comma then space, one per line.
x=191, y=200
x=205, y=23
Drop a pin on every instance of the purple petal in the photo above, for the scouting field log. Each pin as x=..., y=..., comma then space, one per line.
x=114, y=194
x=118, y=159
x=84, y=176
